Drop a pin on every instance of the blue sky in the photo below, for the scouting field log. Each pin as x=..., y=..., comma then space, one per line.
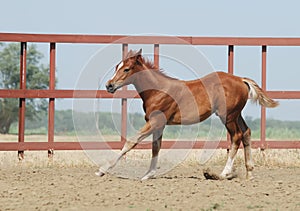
x=192, y=18
x=201, y=18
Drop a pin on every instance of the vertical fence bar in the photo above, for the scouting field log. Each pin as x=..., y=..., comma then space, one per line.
x=230, y=58
x=51, y=108
x=156, y=55
x=22, y=100
x=124, y=103
x=263, y=86
x=230, y=71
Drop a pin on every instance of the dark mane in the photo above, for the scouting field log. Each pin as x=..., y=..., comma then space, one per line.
x=151, y=66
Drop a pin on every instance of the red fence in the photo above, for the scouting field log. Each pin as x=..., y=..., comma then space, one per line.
x=124, y=94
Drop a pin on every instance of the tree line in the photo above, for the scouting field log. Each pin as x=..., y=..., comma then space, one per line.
x=37, y=77
x=68, y=122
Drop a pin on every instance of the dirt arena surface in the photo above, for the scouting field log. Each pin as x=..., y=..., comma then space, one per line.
x=54, y=187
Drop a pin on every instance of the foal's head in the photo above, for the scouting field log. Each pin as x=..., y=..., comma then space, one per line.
x=125, y=70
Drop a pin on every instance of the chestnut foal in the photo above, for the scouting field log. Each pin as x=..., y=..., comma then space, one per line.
x=169, y=101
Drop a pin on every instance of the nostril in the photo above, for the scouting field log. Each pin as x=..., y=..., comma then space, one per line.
x=109, y=86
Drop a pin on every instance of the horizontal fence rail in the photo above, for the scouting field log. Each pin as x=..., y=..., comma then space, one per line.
x=61, y=93
x=52, y=93
x=123, y=39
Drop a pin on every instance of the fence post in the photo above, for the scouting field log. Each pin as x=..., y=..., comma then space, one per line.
x=22, y=100
x=230, y=71
x=263, y=109
x=51, y=108
x=230, y=58
x=156, y=55
x=124, y=104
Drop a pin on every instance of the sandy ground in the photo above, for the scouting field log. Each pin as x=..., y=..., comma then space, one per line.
x=26, y=186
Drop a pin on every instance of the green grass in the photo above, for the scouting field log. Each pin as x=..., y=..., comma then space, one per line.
x=110, y=124
x=271, y=133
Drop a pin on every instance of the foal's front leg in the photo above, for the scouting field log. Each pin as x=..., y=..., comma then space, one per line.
x=156, y=145
x=129, y=144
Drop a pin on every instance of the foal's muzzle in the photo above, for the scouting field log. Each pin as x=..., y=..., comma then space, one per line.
x=110, y=88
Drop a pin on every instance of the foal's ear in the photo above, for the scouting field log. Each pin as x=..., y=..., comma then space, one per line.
x=138, y=57
x=139, y=53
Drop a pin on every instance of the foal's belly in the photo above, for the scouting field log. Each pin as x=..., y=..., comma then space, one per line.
x=189, y=118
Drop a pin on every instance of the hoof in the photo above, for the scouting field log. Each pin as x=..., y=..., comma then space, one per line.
x=148, y=175
x=99, y=173
x=212, y=176
x=231, y=176
x=249, y=176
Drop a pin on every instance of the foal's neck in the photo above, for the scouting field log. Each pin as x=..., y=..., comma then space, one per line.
x=152, y=81
x=148, y=80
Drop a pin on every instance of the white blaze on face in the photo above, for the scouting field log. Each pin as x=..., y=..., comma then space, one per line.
x=118, y=68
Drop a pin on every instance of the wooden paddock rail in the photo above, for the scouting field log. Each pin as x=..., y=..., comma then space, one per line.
x=124, y=94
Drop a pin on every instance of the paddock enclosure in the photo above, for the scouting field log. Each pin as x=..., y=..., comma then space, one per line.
x=52, y=93
x=61, y=183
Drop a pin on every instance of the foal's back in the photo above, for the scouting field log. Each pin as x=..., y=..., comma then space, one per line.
x=220, y=93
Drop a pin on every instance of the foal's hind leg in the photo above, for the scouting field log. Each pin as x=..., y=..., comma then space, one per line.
x=247, y=146
x=156, y=145
x=236, y=137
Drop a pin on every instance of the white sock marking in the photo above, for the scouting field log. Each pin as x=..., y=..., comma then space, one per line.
x=228, y=167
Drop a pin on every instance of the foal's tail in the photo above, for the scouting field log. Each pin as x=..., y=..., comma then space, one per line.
x=257, y=94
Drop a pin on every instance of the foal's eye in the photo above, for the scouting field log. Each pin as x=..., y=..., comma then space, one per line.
x=126, y=70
